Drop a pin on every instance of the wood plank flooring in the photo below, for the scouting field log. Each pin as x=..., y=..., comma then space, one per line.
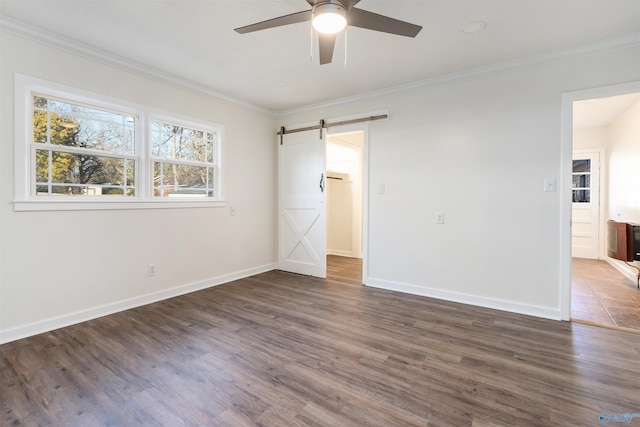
x=601, y=295
x=279, y=349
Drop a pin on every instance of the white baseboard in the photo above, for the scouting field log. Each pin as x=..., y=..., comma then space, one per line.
x=626, y=271
x=337, y=252
x=529, y=310
x=104, y=310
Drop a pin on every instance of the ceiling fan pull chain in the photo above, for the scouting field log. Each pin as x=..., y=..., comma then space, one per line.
x=311, y=42
x=345, y=47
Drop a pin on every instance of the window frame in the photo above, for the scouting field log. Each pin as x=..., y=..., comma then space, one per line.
x=24, y=161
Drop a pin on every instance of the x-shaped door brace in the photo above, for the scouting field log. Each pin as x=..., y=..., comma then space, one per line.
x=300, y=236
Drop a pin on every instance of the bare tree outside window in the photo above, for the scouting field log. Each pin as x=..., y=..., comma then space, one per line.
x=183, y=160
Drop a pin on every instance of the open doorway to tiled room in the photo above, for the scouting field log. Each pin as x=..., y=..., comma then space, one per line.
x=601, y=295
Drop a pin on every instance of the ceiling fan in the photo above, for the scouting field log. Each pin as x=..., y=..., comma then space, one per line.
x=329, y=17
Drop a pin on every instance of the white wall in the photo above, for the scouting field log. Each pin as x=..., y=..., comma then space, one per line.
x=624, y=172
x=61, y=267
x=624, y=166
x=586, y=138
x=477, y=149
x=339, y=214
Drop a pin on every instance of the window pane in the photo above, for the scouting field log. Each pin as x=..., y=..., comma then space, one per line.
x=80, y=169
x=182, y=181
x=116, y=191
x=42, y=166
x=181, y=143
x=130, y=172
x=581, y=181
x=40, y=126
x=63, y=123
x=581, y=196
x=82, y=190
x=105, y=175
x=39, y=102
x=580, y=166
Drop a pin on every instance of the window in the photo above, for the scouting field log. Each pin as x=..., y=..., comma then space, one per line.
x=79, y=150
x=581, y=181
x=183, y=160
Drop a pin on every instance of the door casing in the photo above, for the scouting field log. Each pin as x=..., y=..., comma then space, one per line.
x=566, y=169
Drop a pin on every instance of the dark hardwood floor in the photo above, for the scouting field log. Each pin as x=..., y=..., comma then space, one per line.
x=279, y=349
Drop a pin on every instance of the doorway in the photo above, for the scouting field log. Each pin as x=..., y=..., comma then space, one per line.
x=302, y=192
x=600, y=132
x=345, y=194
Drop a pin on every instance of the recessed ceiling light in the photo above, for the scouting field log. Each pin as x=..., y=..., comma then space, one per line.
x=474, y=27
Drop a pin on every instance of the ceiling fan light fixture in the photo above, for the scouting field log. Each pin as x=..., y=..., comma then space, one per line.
x=329, y=18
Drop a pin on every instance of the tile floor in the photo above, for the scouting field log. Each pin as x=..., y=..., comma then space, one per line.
x=600, y=294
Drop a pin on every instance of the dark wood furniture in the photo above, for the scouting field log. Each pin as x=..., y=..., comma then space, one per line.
x=623, y=242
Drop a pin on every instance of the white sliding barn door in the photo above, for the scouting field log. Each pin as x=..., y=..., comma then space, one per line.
x=302, y=211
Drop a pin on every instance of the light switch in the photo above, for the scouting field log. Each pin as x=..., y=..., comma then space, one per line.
x=550, y=185
x=381, y=189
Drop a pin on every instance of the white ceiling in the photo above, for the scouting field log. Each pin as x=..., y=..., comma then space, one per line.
x=194, y=40
x=600, y=112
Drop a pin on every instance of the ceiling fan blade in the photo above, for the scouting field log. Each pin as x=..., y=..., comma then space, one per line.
x=326, y=44
x=348, y=4
x=373, y=21
x=293, y=18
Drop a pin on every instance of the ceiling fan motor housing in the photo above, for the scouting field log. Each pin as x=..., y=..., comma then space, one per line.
x=329, y=6
x=329, y=16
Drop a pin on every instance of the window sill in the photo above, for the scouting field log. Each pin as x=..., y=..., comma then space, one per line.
x=99, y=205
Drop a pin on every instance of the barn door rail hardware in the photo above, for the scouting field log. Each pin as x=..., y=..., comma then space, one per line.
x=324, y=125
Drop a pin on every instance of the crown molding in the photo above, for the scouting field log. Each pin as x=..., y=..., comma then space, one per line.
x=75, y=47
x=600, y=46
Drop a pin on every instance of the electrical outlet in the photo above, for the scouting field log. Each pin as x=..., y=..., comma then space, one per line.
x=151, y=270
x=440, y=218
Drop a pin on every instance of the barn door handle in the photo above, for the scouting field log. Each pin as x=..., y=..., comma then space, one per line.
x=322, y=183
